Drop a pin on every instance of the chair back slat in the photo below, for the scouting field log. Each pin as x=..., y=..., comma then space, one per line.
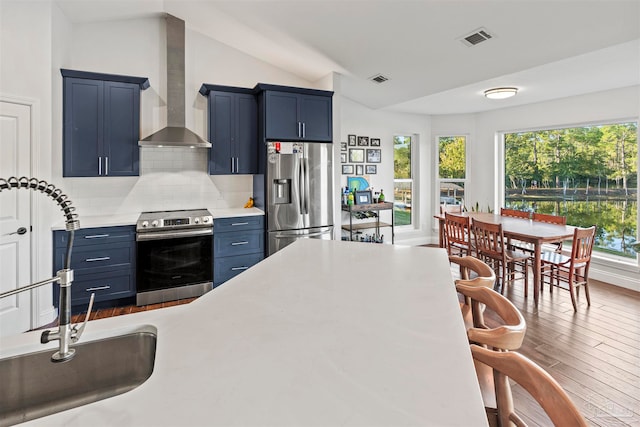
x=488, y=239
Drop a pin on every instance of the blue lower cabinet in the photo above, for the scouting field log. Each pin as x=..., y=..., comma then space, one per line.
x=103, y=261
x=238, y=244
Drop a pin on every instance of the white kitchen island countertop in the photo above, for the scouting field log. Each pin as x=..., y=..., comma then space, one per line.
x=322, y=333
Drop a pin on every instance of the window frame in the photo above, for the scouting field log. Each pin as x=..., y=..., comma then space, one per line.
x=438, y=180
x=500, y=176
x=415, y=196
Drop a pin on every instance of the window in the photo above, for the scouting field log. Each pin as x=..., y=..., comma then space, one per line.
x=452, y=169
x=402, y=180
x=588, y=174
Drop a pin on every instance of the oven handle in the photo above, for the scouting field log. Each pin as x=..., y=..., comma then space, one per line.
x=158, y=235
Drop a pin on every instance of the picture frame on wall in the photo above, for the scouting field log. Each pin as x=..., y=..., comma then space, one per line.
x=343, y=157
x=351, y=139
x=363, y=141
x=343, y=146
x=374, y=155
x=356, y=155
x=347, y=169
x=359, y=169
x=375, y=142
x=371, y=169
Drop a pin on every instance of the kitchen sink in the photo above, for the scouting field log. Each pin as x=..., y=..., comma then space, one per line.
x=33, y=386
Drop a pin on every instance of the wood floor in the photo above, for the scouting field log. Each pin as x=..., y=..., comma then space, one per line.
x=594, y=353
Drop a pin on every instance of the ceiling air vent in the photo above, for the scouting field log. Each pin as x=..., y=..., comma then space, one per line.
x=378, y=78
x=478, y=36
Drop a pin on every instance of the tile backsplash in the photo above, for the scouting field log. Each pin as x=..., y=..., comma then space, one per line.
x=170, y=178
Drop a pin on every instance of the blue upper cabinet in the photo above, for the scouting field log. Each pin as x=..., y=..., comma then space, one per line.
x=295, y=114
x=233, y=130
x=101, y=129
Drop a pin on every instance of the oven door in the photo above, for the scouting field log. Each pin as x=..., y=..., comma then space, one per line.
x=172, y=262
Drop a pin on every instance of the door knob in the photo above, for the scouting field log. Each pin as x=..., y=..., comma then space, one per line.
x=20, y=231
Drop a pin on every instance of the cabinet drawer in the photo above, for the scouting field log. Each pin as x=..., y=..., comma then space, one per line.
x=229, y=244
x=228, y=267
x=106, y=286
x=239, y=223
x=98, y=258
x=95, y=236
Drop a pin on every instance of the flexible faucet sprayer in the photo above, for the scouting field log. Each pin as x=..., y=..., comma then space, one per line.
x=66, y=333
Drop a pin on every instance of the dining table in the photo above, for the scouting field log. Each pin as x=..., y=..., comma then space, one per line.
x=537, y=233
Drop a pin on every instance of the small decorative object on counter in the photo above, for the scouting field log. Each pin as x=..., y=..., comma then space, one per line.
x=249, y=203
x=345, y=196
x=376, y=196
x=350, y=199
x=381, y=196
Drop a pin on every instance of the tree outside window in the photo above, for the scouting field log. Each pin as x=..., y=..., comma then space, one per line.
x=452, y=169
x=402, y=180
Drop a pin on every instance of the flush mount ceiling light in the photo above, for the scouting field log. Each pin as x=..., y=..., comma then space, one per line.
x=500, y=92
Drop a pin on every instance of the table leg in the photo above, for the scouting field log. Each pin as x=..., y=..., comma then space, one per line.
x=537, y=250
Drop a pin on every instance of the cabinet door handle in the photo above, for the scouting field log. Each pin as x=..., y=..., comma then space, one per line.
x=100, y=166
x=239, y=268
x=96, y=236
x=239, y=223
x=104, y=258
x=98, y=288
x=304, y=130
x=106, y=165
x=237, y=164
x=299, y=130
x=232, y=171
x=239, y=243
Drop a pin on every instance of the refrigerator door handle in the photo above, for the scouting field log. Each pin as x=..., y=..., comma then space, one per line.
x=307, y=191
x=301, y=195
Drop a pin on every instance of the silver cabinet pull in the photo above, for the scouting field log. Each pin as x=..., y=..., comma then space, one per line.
x=96, y=236
x=304, y=130
x=98, y=288
x=239, y=223
x=239, y=268
x=100, y=165
x=106, y=165
x=239, y=243
x=104, y=258
x=232, y=164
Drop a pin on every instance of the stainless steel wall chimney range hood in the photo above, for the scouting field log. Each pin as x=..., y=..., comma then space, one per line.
x=175, y=134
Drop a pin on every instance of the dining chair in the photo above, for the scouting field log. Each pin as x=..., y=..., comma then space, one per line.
x=456, y=234
x=490, y=246
x=570, y=272
x=450, y=209
x=506, y=333
x=474, y=273
x=536, y=381
x=515, y=213
x=551, y=219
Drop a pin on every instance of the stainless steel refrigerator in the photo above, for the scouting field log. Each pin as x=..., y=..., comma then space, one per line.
x=298, y=192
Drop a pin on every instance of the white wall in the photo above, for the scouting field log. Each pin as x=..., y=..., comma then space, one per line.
x=486, y=166
x=360, y=120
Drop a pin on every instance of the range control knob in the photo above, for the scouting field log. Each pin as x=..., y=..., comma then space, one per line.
x=205, y=219
x=155, y=223
x=196, y=220
x=145, y=224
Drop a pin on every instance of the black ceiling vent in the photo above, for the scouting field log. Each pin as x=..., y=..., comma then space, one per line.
x=379, y=78
x=478, y=36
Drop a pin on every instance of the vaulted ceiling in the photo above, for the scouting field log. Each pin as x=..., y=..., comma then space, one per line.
x=548, y=49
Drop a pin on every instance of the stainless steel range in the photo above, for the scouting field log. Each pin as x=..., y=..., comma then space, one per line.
x=174, y=255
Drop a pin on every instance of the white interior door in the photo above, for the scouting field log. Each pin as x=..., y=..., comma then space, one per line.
x=15, y=213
